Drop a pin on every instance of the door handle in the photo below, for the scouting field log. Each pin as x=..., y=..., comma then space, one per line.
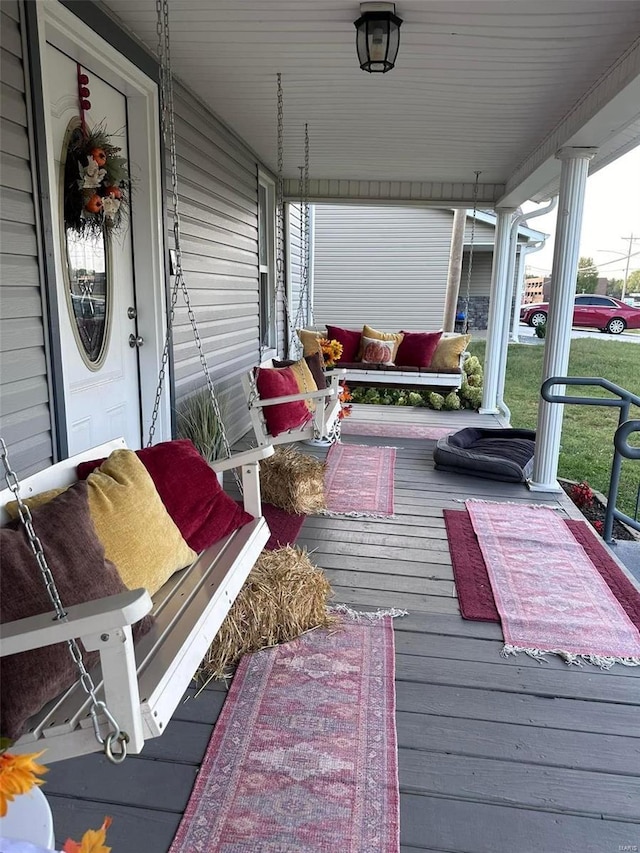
x=135, y=340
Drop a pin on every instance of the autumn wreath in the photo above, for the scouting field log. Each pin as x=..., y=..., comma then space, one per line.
x=96, y=183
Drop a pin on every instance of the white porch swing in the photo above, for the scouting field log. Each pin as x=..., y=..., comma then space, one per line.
x=132, y=695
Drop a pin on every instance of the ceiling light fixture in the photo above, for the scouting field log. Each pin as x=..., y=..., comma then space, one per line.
x=377, y=37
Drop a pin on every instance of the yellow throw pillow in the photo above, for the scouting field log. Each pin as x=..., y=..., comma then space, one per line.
x=305, y=381
x=448, y=352
x=137, y=532
x=310, y=341
x=396, y=337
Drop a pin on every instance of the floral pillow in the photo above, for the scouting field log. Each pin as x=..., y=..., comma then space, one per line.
x=375, y=351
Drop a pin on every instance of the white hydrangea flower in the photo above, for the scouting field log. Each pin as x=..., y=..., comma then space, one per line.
x=110, y=206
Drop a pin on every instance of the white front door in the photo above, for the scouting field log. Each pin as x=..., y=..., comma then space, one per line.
x=94, y=279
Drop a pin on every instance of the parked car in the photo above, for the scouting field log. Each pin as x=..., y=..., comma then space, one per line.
x=590, y=311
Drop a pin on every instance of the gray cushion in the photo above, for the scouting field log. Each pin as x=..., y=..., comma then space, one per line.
x=495, y=454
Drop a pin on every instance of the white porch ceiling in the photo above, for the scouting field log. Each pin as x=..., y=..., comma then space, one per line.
x=479, y=85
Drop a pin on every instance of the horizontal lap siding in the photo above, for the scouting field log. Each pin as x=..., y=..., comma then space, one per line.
x=25, y=420
x=385, y=266
x=217, y=186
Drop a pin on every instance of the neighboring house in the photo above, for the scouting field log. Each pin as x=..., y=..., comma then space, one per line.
x=387, y=266
x=534, y=289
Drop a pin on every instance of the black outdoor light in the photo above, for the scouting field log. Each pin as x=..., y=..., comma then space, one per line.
x=377, y=37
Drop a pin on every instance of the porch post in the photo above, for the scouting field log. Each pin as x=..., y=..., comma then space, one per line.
x=455, y=269
x=573, y=179
x=517, y=302
x=499, y=293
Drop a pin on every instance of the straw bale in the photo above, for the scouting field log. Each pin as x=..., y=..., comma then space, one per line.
x=292, y=481
x=284, y=596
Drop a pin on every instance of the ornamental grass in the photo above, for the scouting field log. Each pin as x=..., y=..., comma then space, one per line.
x=284, y=596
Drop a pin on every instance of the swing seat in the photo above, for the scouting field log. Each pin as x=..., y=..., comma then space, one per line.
x=141, y=682
x=318, y=425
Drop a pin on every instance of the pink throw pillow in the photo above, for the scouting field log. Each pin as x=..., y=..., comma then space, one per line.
x=350, y=340
x=417, y=348
x=280, y=382
x=190, y=491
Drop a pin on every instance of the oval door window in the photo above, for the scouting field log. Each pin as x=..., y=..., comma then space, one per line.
x=86, y=272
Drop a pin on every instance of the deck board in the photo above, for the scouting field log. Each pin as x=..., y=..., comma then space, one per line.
x=496, y=756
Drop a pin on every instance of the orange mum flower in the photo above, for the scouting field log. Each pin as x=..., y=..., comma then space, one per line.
x=93, y=841
x=18, y=775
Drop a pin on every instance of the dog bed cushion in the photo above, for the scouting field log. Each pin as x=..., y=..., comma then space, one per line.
x=495, y=454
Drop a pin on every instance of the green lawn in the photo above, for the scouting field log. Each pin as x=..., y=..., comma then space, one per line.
x=587, y=433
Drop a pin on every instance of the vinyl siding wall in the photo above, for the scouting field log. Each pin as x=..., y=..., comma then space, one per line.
x=218, y=189
x=25, y=419
x=385, y=266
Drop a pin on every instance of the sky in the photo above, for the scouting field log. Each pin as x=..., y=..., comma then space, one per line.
x=611, y=212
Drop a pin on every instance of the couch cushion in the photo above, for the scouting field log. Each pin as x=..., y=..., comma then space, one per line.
x=190, y=491
x=310, y=341
x=77, y=561
x=375, y=351
x=448, y=352
x=280, y=382
x=417, y=348
x=304, y=378
x=350, y=340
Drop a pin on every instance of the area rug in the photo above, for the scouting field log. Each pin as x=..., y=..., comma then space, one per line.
x=351, y=427
x=284, y=526
x=475, y=596
x=550, y=596
x=303, y=758
x=358, y=480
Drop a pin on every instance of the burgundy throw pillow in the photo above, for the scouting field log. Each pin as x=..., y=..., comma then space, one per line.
x=76, y=558
x=350, y=340
x=280, y=382
x=190, y=491
x=417, y=348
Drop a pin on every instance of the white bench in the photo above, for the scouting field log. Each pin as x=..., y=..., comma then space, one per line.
x=405, y=378
x=318, y=428
x=143, y=683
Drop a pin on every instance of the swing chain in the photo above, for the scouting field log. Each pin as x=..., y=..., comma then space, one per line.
x=471, y=244
x=86, y=681
x=169, y=130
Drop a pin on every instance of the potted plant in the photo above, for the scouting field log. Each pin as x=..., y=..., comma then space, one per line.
x=197, y=421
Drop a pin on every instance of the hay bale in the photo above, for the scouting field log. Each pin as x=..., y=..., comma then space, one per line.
x=292, y=481
x=284, y=596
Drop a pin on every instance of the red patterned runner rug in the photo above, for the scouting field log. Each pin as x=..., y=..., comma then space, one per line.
x=358, y=480
x=354, y=427
x=550, y=596
x=303, y=758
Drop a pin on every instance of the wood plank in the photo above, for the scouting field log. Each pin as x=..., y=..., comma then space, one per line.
x=519, y=743
x=365, y=599
x=401, y=583
x=431, y=571
x=594, y=685
x=201, y=706
x=519, y=784
x=542, y=711
x=183, y=743
x=133, y=830
x=433, y=554
x=466, y=827
x=447, y=626
x=380, y=539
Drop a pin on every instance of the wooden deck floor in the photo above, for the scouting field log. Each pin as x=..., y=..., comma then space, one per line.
x=496, y=756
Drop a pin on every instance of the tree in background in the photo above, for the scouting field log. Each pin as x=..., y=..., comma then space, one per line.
x=587, y=280
x=614, y=287
x=633, y=282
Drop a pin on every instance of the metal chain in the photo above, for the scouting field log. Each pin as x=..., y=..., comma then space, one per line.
x=169, y=130
x=86, y=681
x=473, y=236
x=303, y=189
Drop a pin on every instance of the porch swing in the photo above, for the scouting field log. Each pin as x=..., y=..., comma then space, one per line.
x=303, y=405
x=133, y=693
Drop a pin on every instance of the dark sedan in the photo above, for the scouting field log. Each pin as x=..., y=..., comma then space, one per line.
x=590, y=311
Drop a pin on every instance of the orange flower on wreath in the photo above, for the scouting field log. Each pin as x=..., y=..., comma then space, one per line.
x=18, y=775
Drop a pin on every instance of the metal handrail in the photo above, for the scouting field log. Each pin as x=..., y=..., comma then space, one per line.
x=625, y=399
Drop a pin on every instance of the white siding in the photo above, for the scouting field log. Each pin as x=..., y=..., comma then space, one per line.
x=25, y=422
x=385, y=266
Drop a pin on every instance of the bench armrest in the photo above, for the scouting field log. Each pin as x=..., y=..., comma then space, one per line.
x=82, y=620
x=245, y=458
x=320, y=394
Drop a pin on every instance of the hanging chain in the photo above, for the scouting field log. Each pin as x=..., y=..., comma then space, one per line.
x=116, y=735
x=471, y=244
x=169, y=130
x=302, y=315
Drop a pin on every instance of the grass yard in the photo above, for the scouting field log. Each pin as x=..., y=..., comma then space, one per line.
x=587, y=432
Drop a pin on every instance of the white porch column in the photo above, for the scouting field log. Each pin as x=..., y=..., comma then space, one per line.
x=456, y=253
x=573, y=178
x=499, y=293
x=517, y=302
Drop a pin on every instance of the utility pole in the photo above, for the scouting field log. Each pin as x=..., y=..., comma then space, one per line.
x=631, y=240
